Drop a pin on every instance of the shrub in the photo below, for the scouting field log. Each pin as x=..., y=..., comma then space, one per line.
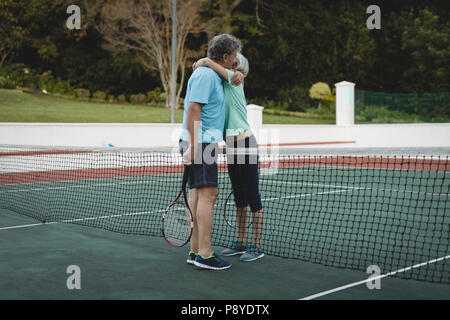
x=162, y=97
x=61, y=87
x=6, y=83
x=18, y=75
x=46, y=81
x=99, y=95
x=382, y=114
x=323, y=113
x=138, y=98
x=82, y=94
x=292, y=99
x=304, y=115
x=320, y=91
x=155, y=95
x=68, y=95
x=122, y=98
x=111, y=99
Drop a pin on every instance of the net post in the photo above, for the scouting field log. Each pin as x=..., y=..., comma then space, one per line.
x=345, y=103
x=173, y=85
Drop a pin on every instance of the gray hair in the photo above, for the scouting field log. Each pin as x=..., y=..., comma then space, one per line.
x=242, y=64
x=222, y=44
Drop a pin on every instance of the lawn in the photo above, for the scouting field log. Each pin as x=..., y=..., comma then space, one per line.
x=16, y=106
x=277, y=119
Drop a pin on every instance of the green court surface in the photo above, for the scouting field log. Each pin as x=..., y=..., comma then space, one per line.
x=324, y=225
x=34, y=261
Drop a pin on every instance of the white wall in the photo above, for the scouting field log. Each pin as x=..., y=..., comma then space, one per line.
x=344, y=134
x=90, y=134
x=166, y=135
x=306, y=135
x=402, y=135
x=364, y=135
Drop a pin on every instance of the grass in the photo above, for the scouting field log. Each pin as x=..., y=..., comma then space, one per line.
x=276, y=119
x=16, y=106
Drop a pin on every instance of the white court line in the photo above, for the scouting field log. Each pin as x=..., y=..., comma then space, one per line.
x=261, y=180
x=309, y=184
x=371, y=279
x=304, y=195
x=81, y=219
x=149, y=212
x=27, y=225
x=348, y=187
x=83, y=185
x=331, y=167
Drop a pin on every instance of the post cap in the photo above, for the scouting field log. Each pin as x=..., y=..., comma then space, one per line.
x=344, y=84
x=254, y=106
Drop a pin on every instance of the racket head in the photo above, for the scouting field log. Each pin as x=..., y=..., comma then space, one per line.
x=177, y=221
x=229, y=212
x=177, y=224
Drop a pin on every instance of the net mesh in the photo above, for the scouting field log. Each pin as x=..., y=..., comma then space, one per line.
x=347, y=208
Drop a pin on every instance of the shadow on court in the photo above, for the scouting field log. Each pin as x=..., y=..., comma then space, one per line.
x=34, y=262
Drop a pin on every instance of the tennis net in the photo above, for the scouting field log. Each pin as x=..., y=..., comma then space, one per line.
x=347, y=208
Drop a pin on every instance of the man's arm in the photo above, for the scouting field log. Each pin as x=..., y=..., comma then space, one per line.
x=192, y=126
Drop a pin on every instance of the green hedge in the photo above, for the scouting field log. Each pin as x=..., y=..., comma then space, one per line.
x=138, y=98
x=305, y=115
x=20, y=76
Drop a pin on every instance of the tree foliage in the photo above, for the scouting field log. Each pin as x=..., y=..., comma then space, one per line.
x=12, y=33
x=146, y=28
x=290, y=45
x=428, y=44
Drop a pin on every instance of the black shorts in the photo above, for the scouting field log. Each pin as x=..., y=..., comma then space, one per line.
x=243, y=172
x=204, y=169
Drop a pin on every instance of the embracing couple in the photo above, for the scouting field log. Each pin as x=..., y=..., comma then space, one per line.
x=214, y=110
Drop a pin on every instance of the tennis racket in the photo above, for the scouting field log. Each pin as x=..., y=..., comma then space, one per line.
x=177, y=221
x=229, y=212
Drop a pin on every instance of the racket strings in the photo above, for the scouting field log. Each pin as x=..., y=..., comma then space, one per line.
x=177, y=224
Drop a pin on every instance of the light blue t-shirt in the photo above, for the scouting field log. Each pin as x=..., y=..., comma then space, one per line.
x=205, y=87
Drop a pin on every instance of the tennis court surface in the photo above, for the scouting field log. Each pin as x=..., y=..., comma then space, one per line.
x=329, y=215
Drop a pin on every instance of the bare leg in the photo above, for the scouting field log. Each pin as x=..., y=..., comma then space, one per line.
x=193, y=201
x=204, y=216
x=242, y=223
x=258, y=223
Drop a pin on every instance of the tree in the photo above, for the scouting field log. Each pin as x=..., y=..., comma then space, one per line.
x=11, y=32
x=221, y=13
x=145, y=27
x=320, y=91
x=303, y=42
x=427, y=44
x=32, y=28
